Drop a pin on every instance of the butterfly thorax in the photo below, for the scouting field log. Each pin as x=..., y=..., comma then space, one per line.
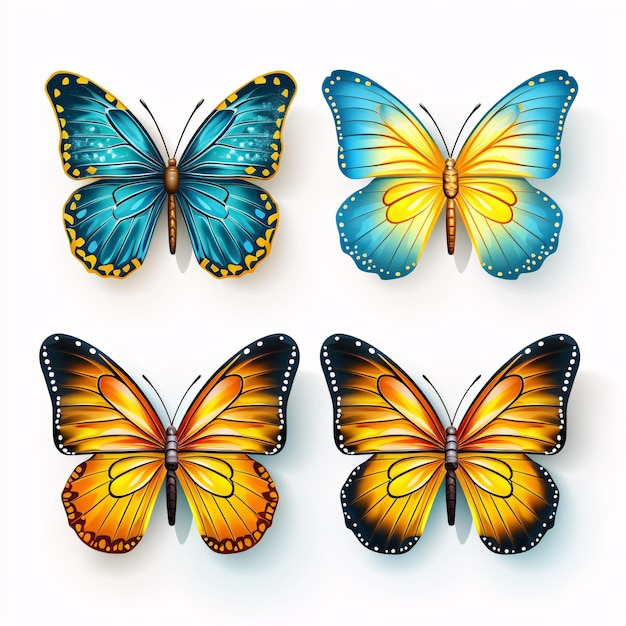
x=172, y=183
x=450, y=188
x=451, y=462
x=171, y=463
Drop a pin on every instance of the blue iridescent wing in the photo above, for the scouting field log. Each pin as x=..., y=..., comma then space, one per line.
x=384, y=226
x=231, y=222
x=513, y=226
x=109, y=223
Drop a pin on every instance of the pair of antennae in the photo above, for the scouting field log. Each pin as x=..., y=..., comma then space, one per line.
x=181, y=400
x=145, y=106
x=441, y=134
x=445, y=408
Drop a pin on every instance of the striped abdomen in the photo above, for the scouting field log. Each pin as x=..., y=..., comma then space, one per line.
x=450, y=188
x=172, y=183
x=451, y=462
x=171, y=463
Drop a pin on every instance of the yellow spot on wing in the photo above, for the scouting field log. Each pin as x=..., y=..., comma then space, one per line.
x=65, y=81
x=81, y=80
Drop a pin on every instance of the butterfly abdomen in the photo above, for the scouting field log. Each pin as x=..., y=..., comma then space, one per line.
x=450, y=188
x=171, y=463
x=172, y=183
x=451, y=462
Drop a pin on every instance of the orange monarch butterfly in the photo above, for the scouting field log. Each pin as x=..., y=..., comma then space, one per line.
x=98, y=409
x=379, y=410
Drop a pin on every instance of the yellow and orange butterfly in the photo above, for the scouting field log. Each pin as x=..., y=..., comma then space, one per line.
x=98, y=409
x=379, y=410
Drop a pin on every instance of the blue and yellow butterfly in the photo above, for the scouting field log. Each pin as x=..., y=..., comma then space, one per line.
x=380, y=410
x=110, y=222
x=98, y=409
x=385, y=226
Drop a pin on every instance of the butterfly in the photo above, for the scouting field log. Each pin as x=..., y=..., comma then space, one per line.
x=385, y=226
x=379, y=410
x=231, y=221
x=98, y=409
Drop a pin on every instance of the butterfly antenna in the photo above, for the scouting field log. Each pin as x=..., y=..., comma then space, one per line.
x=437, y=393
x=145, y=106
x=462, y=127
x=444, y=143
x=187, y=124
x=159, y=397
x=196, y=379
x=465, y=394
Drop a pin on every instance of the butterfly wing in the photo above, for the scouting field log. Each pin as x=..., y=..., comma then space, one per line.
x=109, y=223
x=512, y=225
x=240, y=410
x=521, y=410
x=385, y=225
x=98, y=409
x=379, y=409
x=231, y=222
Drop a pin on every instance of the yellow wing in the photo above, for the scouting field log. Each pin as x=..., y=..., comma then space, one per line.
x=232, y=498
x=109, y=498
x=512, y=499
x=387, y=499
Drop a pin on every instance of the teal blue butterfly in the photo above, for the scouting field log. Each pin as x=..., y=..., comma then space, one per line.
x=513, y=226
x=231, y=221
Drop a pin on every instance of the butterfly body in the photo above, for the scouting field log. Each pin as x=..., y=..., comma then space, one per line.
x=450, y=189
x=385, y=225
x=110, y=222
x=172, y=185
x=99, y=410
x=171, y=464
x=380, y=411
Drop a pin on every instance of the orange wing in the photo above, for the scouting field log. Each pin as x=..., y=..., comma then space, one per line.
x=97, y=408
x=241, y=409
x=109, y=499
x=379, y=409
x=512, y=499
x=232, y=498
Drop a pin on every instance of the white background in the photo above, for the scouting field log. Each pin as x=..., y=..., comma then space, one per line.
x=448, y=319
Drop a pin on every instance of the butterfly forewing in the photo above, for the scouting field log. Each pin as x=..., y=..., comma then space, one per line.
x=522, y=407
x=96, y=406
x=377, y=406
x=100, y=137
x=520, y=135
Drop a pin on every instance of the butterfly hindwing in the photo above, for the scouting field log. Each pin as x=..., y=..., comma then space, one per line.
x=97, y=408
x=379, y=409
x=231, y=221
x=109, y=499
x=513, y=226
